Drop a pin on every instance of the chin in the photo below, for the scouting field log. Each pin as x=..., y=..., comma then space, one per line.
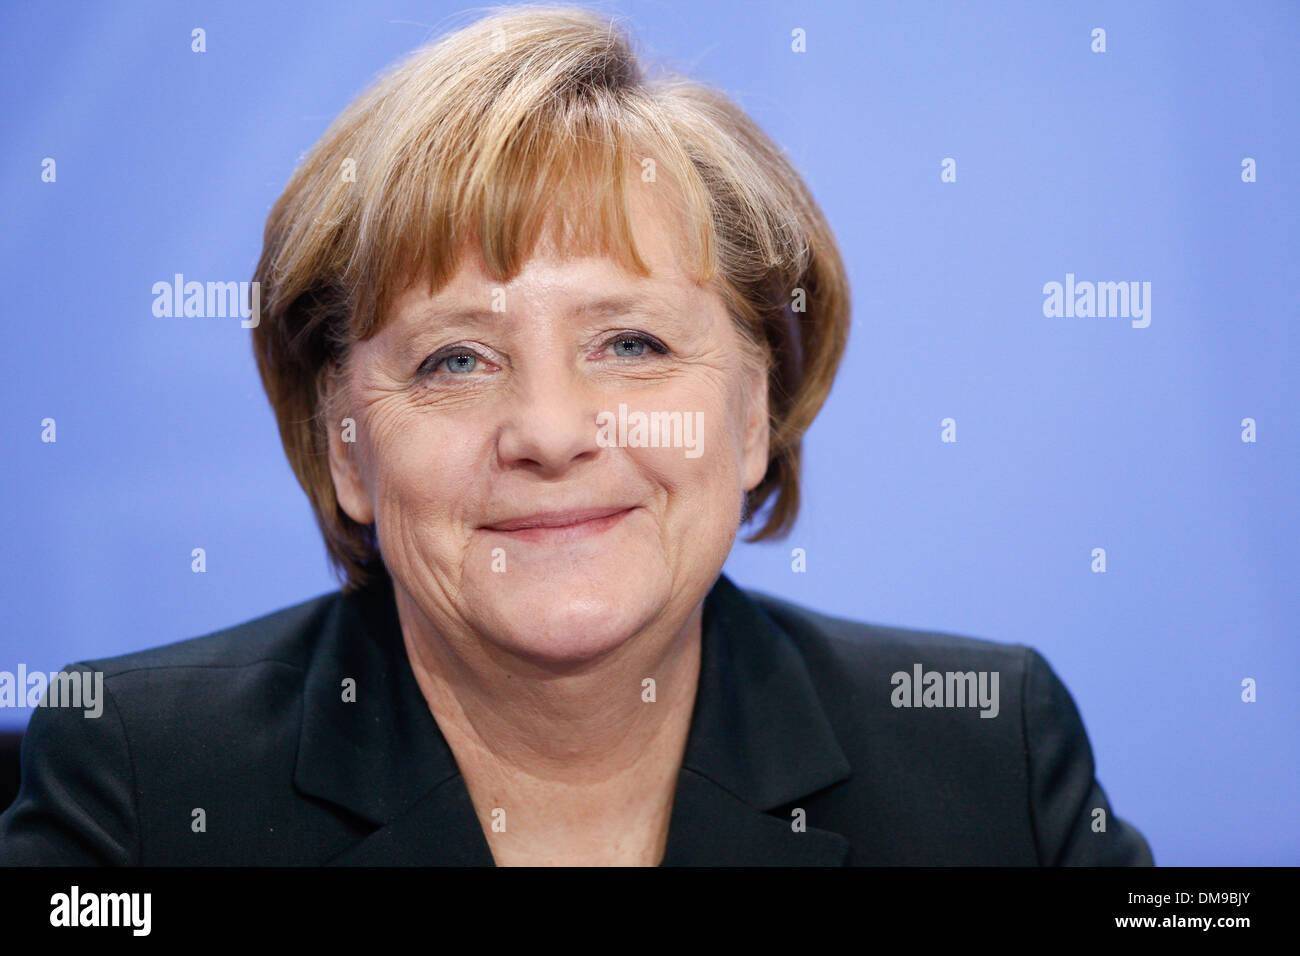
x=571, y=618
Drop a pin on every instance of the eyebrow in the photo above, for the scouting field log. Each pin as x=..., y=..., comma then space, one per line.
x=610, y=305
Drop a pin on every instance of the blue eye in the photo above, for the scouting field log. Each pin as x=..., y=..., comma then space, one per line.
x=637, y=346
x=628, y=345
x=461, y=363
x=464, y=361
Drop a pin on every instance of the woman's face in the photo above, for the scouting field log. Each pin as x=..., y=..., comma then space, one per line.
x=497, y=449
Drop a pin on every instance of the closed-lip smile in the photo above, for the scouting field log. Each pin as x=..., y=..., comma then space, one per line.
x=560, y=525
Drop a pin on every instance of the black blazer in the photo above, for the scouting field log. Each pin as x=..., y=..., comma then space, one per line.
x=794, y=711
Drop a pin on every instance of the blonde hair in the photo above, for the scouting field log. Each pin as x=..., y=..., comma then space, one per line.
x=528, y=117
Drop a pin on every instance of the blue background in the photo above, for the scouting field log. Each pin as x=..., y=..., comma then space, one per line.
x=1073, y=433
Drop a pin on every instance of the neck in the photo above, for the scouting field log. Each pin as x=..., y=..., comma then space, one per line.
x=576, y=724
x=565, y=765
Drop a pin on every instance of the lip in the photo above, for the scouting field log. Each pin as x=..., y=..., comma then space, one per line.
x=558, y=526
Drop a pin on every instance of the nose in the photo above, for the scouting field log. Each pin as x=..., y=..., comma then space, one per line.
x=550, y=423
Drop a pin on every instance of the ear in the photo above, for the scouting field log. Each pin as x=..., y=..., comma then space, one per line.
x=344, y=452
x=757, y=427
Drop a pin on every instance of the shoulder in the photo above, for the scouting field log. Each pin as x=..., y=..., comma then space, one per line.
x=241, y=680
x=929, y=695
x=285, y=637
x=973, y=748
x=240, y=687
x=114, y=767
x=860, y=649
x=923, y=679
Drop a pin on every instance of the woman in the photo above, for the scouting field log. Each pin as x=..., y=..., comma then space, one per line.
x=541, y=336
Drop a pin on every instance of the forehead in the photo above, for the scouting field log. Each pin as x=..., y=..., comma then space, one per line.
x=583, y=282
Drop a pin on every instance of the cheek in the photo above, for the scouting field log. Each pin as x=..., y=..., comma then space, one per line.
x=701, y=466
x=422, y=465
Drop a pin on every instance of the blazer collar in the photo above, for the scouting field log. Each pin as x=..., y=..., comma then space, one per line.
x=758, y=741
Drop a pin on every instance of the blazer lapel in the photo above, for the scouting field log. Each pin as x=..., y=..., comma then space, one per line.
x=438, y=829
x=712, y=827
x=382, y=755
x=758, y=742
